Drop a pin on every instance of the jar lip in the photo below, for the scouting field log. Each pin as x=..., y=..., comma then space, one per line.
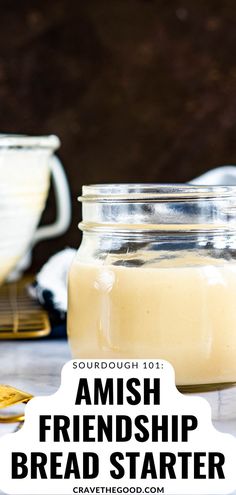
x=126, y=192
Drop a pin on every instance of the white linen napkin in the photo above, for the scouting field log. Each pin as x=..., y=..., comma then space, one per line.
x=50, y=287
x=220, y=176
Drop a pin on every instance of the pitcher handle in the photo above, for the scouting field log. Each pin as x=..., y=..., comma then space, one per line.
x=63, y=204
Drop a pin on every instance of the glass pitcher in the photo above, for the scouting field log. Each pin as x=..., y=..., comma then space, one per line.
x=26, y=164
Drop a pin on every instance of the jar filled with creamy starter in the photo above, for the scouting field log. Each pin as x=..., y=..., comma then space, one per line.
x=155, y=277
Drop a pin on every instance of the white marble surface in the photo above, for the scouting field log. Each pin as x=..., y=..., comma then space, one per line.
x=32, y=366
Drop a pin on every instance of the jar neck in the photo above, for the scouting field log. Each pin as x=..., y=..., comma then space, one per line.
x=166, y=210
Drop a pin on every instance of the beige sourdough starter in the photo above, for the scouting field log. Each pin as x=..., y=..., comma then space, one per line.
x=183, y=311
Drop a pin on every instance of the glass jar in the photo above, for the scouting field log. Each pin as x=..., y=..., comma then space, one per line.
x=155, y=277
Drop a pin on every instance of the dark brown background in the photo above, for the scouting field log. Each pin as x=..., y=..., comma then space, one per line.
x=137, y=90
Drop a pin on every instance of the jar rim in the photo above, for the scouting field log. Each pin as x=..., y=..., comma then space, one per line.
x=128, y=192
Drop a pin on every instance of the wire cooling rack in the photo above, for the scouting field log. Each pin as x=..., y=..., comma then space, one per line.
x=20, y=316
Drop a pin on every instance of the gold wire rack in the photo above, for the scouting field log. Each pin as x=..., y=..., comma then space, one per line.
x=20, y=316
